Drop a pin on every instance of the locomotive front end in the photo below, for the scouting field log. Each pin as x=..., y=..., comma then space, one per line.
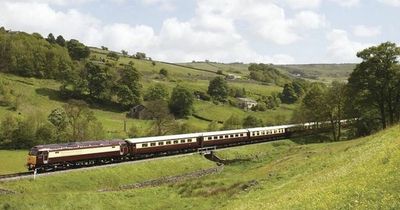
x=31, y=160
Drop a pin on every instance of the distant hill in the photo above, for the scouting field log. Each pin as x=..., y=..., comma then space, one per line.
x=316, y=72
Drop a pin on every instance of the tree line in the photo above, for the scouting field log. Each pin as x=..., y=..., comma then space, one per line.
x=371, y=95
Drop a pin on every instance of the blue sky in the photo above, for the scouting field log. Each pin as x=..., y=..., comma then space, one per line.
x=268, y=31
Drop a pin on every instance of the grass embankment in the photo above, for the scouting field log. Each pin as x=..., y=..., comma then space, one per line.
x=79, y=190
x=12, y=161
x=357, y=174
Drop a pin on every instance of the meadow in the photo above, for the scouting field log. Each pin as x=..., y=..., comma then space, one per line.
x=355, y=174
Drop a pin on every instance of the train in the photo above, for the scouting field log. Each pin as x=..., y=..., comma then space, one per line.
x=80, y=154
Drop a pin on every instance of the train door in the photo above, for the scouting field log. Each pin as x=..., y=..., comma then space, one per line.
x=45, y=157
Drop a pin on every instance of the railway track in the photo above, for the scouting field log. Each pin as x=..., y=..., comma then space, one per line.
x=23, y=175
x=16, y=175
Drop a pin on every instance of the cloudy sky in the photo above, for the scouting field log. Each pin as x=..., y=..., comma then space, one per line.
x=268, y=31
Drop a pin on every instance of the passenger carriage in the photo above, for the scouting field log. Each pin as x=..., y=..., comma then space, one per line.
x=217, y=138
x=160, y=144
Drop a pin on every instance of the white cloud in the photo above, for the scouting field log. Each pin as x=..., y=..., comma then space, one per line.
x=342, y=48
x=366, y=31
x=168, y=5
x=303, y=4
x=395, y=3
x=347, y=3
x=206, y=36
x=265, y=19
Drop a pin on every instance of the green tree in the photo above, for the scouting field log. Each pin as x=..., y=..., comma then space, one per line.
x=58, y=118
x=60, y=41
x=113, y=56
x=140, y=55
x=218, y=89
x=98, y=81
x=181, y=102
x=164, y=72
x=130, y=78
x=233, y=122
x=156, y=92
x=289, y=95
x=163, y=120
x=375, y=83
x=252, y=122
x=51, y=39
x=77, y=50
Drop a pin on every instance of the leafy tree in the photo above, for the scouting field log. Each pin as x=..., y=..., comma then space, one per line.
x=104, y=48
x=267, y=73
x=7, y=126
x=181, y=102
x=124, y=52
x=218, y=89
x=60, y=40
x=58, y=118
x=252, y=122
x=233, y=122
x=140, y=55
x=113, y=56
x=164, y=72
x=77, y=50
x=130, y=77
x=163, y=120
x=51, y=39
x=75, y=110
x=98, y=81
x=45, y=134
x=156, y=92
x=289, y=95
x=375, y=83
x=335, y=101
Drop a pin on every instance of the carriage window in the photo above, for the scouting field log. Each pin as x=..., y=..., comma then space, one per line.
x=226, y=136
x=144, y=145
x=160, y=143
x=183, y=141
x=152, y=144
x=168, y=142
x=215, y=137
x=241, y=134
x=189, y=140
x=236, y=135
x=221, y=137
x=209, y=138
x=113, y=146
x=176, y=142
x=231, y=136
x=57, y=152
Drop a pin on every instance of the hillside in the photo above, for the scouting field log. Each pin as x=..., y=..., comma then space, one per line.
x=357, y=174
x=313, y=72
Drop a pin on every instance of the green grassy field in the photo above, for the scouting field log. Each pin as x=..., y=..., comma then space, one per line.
x=356, y=174
x=13, y=161
x=315, y=72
